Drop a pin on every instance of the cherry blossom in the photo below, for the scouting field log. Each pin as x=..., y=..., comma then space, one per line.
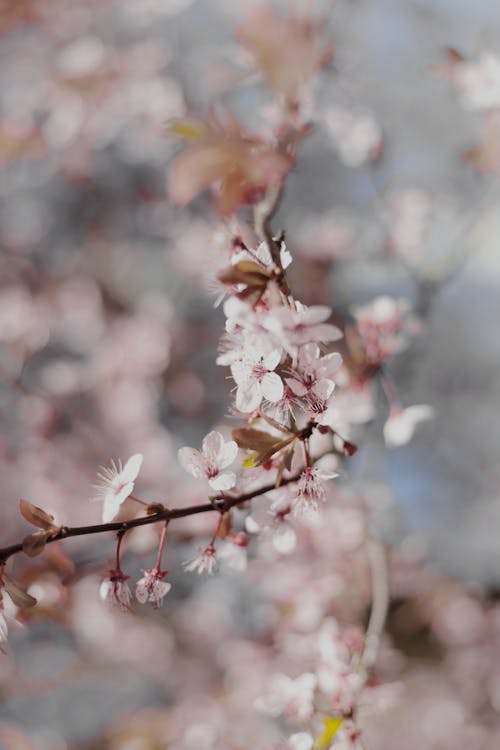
x=318, y=402
x=115, y=484
x=204, y=562
x=116, y=591
x=310, y=490
x=357, y=135
x=233, y=555
x=401, y=424
x=289, y=697
x=151, y=587
x=215, y=456
x=381, y=326
x=312, y=368
x=256, y=379
x=305, y=325
x=480, y=82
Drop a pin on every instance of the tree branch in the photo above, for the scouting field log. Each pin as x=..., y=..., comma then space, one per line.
x=220, y=504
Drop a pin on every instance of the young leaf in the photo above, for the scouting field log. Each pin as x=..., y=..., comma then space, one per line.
x=35, y=515
x=20, y=597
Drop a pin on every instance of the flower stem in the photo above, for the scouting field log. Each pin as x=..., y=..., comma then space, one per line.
x=161, y=545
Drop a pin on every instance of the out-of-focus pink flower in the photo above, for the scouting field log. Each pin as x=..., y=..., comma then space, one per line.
x=289, y=697
x=151, y=587
x=357, y=136
x=116, y=483
x=205, y=562
x=215, y=456
x=401, y=425
x=381, y=326
x=480, y=82
x=116, y=591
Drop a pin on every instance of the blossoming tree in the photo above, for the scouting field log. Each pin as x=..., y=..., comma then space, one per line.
x=268, y=494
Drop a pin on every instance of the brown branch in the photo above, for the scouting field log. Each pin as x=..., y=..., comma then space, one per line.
x=222, y=503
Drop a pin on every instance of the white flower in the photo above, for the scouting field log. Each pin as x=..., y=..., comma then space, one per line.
x=255, y=377
x=115, y=484
x=399, y=428
x=116, y=591
x=311, y=368
x=152, y=588
x=215, y=456
x=294, y=328
x=205, y=562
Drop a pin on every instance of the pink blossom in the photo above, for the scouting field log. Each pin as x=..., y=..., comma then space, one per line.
x=289, y=697
x=381, y=327
x=357, y=135
x=204, y=562
x=233, y=555
x=215, y=456
x=151, y=587
x=115, y=484
x=401, y=425
x=310, y=490
x=256, y=379
x=480, y=82
x=311, y=368
x=317, y=402
x=116, y=591
x=294, y=328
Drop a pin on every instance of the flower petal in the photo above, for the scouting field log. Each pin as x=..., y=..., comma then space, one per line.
x=228, y=454
x=212, y=445
x=272, y=387
x=223, y=482
x=192, y=461
x=132, y=468
x=297, y=388
x=248, y=396
x=112, y=503
x=272, y=360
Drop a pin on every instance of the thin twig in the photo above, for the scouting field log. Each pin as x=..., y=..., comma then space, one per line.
x=380, y=605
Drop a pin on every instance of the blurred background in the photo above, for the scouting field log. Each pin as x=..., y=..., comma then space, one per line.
x=108, y=329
